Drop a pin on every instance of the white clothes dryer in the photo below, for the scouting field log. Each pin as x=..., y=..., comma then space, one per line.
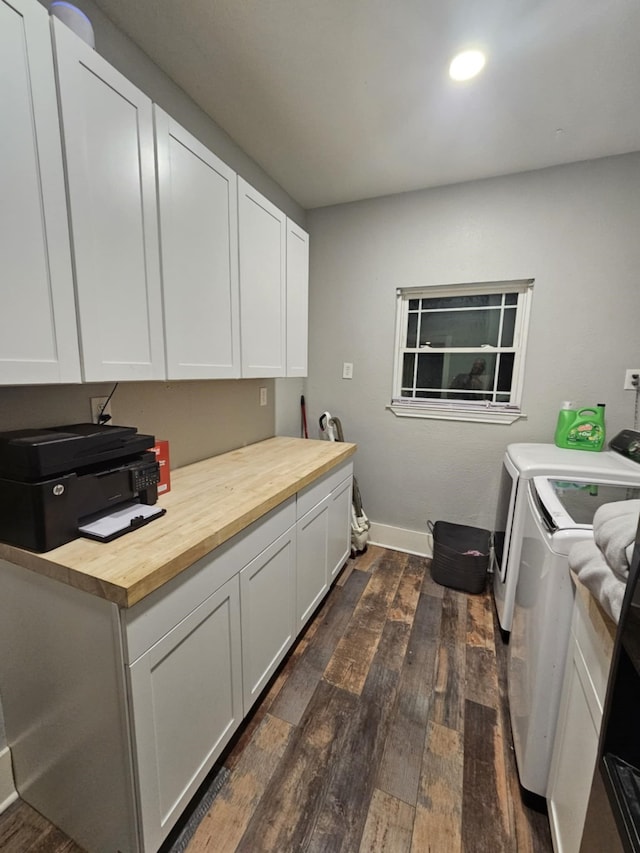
x=558, y=514
x=618, y=465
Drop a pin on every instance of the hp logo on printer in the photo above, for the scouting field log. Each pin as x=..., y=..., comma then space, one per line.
x=58, y=489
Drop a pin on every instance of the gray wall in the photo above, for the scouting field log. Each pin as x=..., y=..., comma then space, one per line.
x=574, y=229
x=199, y=419
x=288, y=411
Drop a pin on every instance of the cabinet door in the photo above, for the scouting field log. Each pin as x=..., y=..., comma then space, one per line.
x=312, y=576
x=197, y=196
x=186, y=699
x=339, y=527
x=38, y=331
x=262, y=248
x=108, y=135
x=267, y=596
x=297, y=299
x=574, y=755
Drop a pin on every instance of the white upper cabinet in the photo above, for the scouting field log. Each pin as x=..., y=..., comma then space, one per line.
x=107, y=126
x=129, y=252
x=197, y=194
x=297, y=299
x=38, y=337
x=262, y=250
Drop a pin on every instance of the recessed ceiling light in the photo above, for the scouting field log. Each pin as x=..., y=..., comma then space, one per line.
x=466, y=65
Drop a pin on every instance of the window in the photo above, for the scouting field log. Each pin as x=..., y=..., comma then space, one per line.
x=460, y=350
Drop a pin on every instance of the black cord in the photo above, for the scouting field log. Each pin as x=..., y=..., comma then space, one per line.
x=102, y=418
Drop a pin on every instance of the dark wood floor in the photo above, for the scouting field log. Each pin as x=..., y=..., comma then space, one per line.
x=385, y=731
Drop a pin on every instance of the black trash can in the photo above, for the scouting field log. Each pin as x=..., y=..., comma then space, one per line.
x=460, y=555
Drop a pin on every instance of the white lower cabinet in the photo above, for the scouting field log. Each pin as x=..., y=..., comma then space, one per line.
x=193, y=651
x=313, y=540
x=267, y=594
x=577, y=734
x=323, y=537
x=186, y=703
x=165, y=683
x=339, y=543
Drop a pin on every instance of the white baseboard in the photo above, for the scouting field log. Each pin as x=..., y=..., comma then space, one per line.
x=8, y=792
x=400, y=539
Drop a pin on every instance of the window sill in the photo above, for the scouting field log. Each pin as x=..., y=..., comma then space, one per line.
x=486, y=416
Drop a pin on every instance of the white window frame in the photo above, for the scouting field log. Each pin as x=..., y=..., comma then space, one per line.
x=463, y=410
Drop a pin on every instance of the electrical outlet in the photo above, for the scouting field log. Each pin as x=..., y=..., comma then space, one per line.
x=96, y=408
x=347, y=370
x=263, y=396
x=631, y=384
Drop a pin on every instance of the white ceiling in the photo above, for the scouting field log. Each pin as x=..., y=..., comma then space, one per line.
x=341, y=100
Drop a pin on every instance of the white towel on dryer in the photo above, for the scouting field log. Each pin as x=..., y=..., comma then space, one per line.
x=614, y=532
x=602, y=565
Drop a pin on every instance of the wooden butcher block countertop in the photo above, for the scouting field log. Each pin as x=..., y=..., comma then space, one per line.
x=209, y=502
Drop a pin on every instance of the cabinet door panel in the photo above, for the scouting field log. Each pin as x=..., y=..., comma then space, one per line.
x=38, y=332
x=262, y=248
x=339, y=527
x=267, y=595
x=297, y=299
x=199, y=246
x=312, y=576
x=575, y=751
x=187, y=702
x=108, y=134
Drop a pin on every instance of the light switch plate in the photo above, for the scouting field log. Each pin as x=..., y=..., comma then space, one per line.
x=347, y=370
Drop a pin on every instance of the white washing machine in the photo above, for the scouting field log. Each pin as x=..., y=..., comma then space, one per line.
x=557, y=515
x=620, y=464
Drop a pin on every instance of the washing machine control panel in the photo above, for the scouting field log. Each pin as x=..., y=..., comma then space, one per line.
x=627, y=443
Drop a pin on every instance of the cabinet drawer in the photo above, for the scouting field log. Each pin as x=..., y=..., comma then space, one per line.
x=318, y=490
x=159, y=612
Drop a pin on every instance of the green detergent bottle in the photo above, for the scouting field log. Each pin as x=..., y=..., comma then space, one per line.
x=583, y=429
x=566, y=417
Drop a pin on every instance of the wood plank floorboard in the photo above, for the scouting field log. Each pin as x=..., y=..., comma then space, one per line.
x=389, y=825
x=485, y=813
x=386, y=730
x=305, y=672
x=438, y=821
x=399, y=772
x=352, y=658
x=449, y=689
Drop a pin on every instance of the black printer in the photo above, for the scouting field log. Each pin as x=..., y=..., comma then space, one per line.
x=51, y=480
